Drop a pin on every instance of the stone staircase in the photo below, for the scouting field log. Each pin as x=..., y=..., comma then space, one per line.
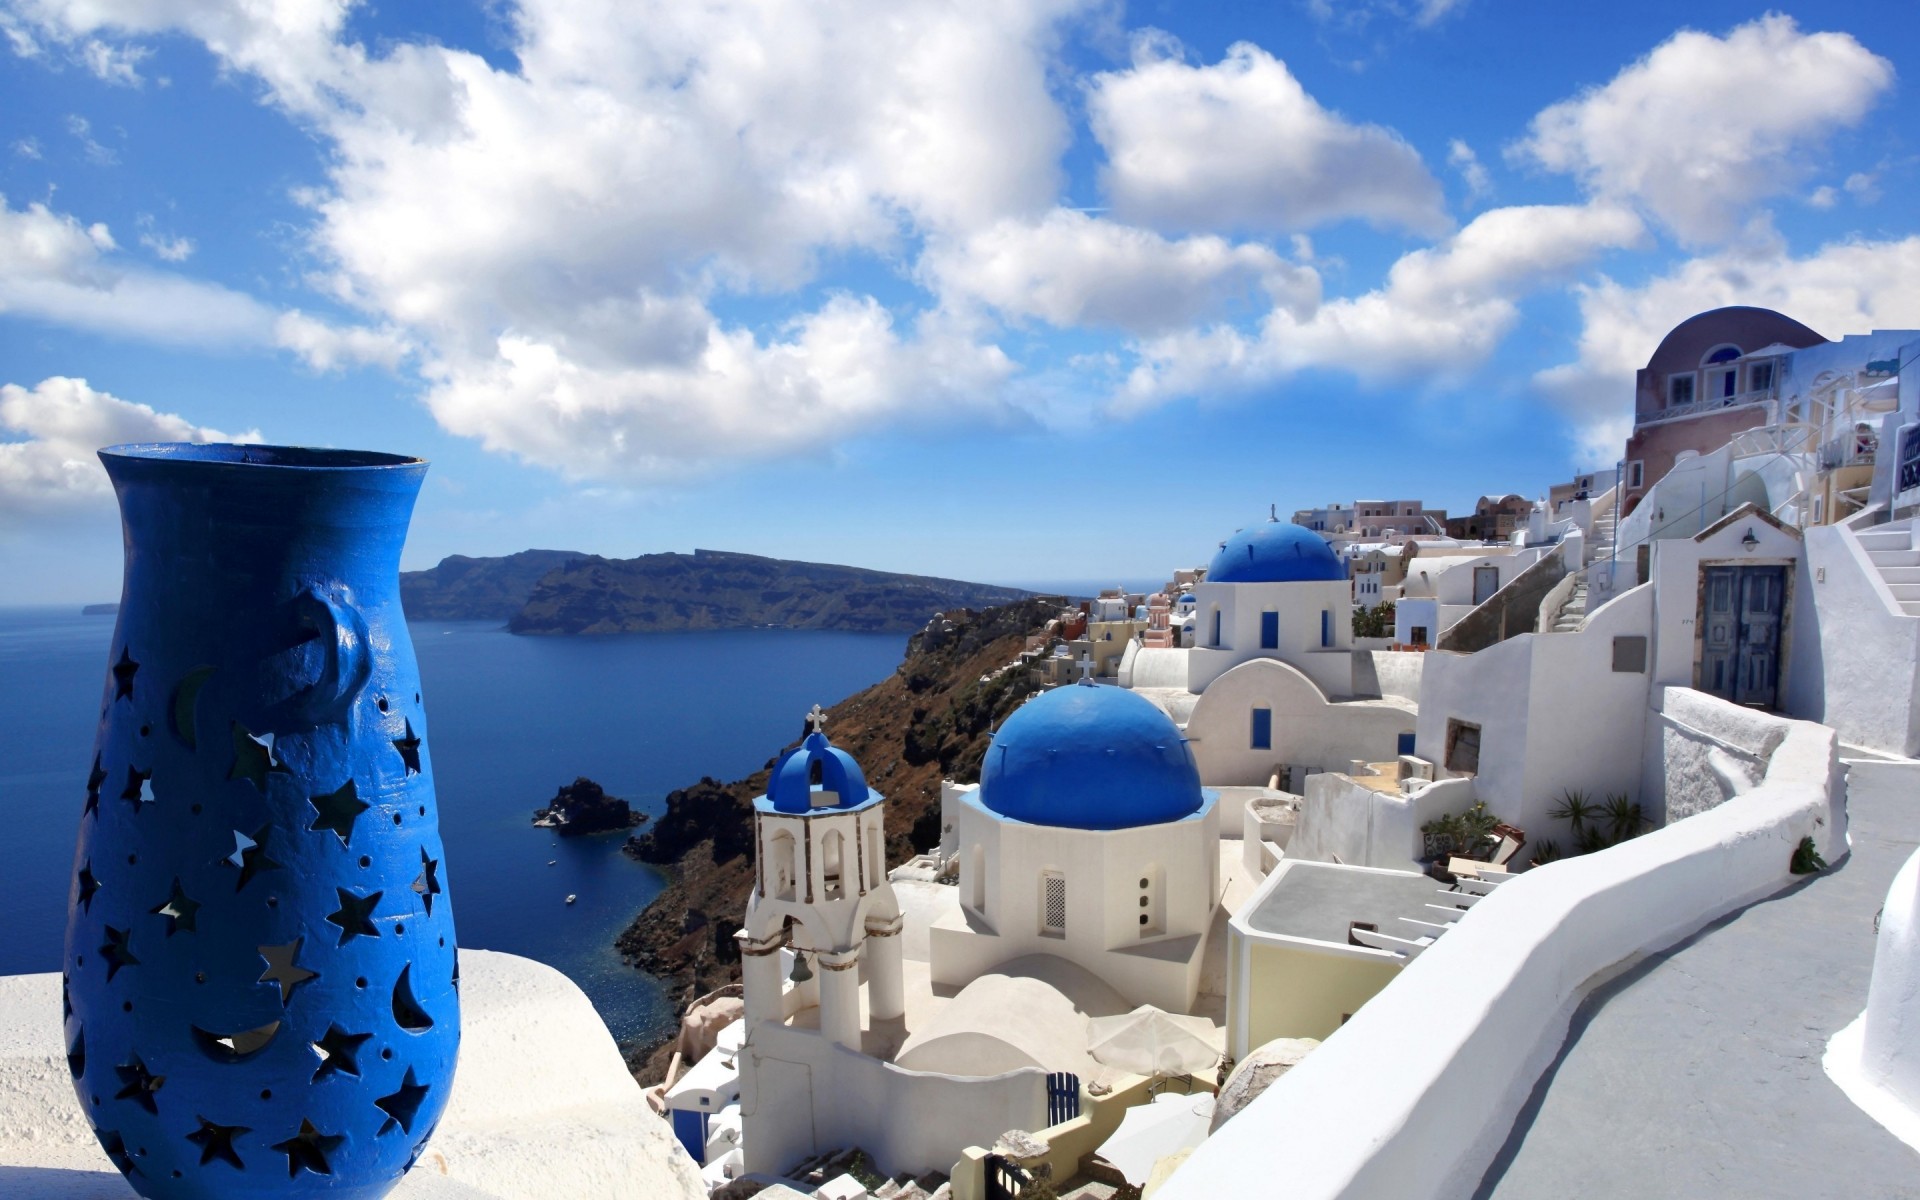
x=1575, y=612
x=1600, y=543
x=1893, y=553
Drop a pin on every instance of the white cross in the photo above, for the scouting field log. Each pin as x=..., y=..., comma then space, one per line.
x=817, y=720
x=1086, y=670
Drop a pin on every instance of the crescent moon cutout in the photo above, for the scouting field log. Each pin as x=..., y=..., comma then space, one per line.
x=186, y=698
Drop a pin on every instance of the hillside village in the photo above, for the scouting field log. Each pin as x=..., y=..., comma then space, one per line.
x=1546, y=849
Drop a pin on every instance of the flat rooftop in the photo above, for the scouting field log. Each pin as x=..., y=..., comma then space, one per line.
x=1316, y=901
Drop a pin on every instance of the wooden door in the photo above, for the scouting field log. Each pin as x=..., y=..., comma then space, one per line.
x=1742, y=611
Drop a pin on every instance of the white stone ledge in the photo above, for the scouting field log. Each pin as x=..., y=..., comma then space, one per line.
x=1415, y=1094
x=542, y=1104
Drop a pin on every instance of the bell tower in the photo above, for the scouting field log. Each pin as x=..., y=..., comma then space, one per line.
x=821, y=890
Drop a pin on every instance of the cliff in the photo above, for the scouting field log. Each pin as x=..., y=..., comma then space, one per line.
x=927, y=721
x=477, y=589
x=711, y=589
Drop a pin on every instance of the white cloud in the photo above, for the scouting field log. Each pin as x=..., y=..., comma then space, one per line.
x=53, y=268
x=47, y=459
x=1823, y=197
x=114, y=64
x=1704, y=127
x=553, y=236
x=1241, y=145
x=1358, y=14
x=1070, y=269
x=97, y=154
x=327, y=347
x=836, y=372
x=1473, y=172
x=1863, y=186
x=1844, y=287
x=168, y=249
x=1441, y=311
x=27, y=147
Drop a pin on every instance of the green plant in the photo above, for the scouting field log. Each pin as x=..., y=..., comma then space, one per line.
x=1547, y=851
x=1806, y=858
x=1373, y=622
x=1575, y=809
x=1625, y=819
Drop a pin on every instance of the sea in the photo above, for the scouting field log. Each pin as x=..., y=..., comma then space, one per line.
x=511, y=719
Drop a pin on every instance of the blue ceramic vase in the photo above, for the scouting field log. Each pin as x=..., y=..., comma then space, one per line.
x=260, y=973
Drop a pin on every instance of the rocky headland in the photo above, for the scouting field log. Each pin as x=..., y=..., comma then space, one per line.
x=565, y=592
x=929, y=720
x=712, y=589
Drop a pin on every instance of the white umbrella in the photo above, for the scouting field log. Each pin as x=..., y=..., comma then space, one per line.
x=1149, y=1041
x=1151, y=1132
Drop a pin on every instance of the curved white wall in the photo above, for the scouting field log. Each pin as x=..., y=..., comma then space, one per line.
x=1306, y=729
x=1412, y=1097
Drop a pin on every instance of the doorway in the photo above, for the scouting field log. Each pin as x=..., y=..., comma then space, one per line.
x=1742, y=622
x=1486, y=581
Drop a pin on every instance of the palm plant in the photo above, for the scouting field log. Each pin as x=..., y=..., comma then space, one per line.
x=1624, y=818
x=1575, y=809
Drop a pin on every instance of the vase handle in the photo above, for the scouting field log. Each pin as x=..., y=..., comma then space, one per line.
x=345, y=664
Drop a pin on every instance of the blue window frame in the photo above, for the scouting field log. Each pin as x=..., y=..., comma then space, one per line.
x=1326, y=627
x=1216, y=628
x=1269, y=631
x=1262, y=729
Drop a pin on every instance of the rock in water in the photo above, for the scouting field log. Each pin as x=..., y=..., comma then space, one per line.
x=583, y=806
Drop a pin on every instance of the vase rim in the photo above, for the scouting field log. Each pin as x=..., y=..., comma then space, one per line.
x=251, y=455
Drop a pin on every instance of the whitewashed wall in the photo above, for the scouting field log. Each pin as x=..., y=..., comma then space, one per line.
x=802, y=1094
x=1856, y=657
x=1307, y=730
x=1299, y=606
x=1341, y=821
x=1676, y=577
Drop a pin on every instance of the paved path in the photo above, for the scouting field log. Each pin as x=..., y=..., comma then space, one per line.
x=1697, y=1074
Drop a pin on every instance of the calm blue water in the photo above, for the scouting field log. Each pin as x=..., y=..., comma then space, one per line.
x=511, y=719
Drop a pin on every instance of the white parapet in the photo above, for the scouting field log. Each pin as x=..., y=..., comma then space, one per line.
x=542, y=1103
x=1876, y=1060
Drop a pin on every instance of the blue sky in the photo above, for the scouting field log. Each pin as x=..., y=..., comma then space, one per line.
x=1023, y=290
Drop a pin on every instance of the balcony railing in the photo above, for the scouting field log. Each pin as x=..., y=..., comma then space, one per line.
x=1708, y=404
x=1849, y=450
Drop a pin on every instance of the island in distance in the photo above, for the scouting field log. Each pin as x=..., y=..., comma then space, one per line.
x=562, y=592
x=583, y=806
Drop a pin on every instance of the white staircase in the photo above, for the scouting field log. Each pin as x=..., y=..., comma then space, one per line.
x=1574, y=614
x=1600, y=543
x=1893, y=553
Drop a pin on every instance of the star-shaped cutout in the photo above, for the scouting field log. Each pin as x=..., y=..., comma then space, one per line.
x=123, y=672
x=89, y=886
x=116, y=1148
x=253, y=758
x=140, y=1084
x=409, y=748
x=179, y=910
x=135, y=778
x=77, y=1057
x=403, y=1105
x=234, y=1047
x=339, y=1051
x=308, y=1150
x=216, y=1141
x=250, y=855
x=355, y=915
x=428, y=885
x=283, y=970
x=337, y=810
x=116, y=953
x=95, y=778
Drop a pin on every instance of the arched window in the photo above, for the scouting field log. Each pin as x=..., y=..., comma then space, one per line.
x=1719, y=378
x=977, y=868
x=1721, y=354
x=833, y=864
x=780, y=873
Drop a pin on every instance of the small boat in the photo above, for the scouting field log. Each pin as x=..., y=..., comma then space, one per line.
x=552, y=861
x=571, y=897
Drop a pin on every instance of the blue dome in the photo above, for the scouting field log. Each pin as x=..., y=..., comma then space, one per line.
x=1275, y=552
x=1090, y=757
x=812, y=770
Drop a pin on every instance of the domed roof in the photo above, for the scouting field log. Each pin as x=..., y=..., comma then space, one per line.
x=816, y=775
x=1275, y=552
x=1090, y=757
